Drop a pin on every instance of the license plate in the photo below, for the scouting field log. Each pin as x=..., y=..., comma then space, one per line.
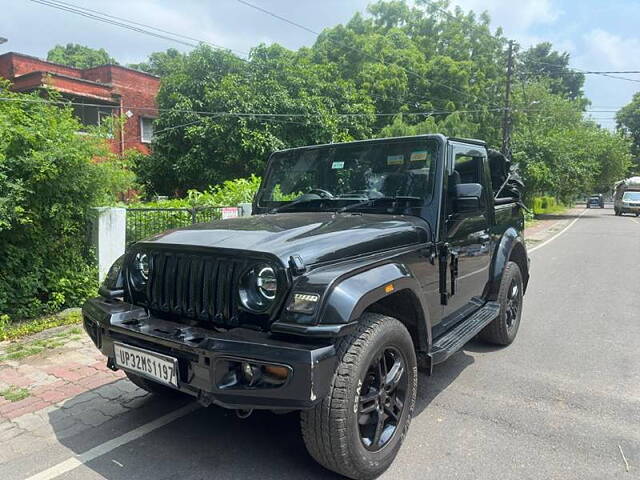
x=158, y=367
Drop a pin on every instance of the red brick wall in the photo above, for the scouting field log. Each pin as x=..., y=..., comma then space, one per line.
x=23, y=64
x=135, y=90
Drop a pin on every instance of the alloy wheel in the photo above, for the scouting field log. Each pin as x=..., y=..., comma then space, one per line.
x=382, y=399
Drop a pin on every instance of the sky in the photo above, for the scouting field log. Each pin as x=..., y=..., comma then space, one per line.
x=598, y=34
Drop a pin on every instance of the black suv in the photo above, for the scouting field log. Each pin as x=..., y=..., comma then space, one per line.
x=595, y=201
x=362, y=261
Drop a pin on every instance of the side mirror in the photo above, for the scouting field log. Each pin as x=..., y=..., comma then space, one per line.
x=468, y=197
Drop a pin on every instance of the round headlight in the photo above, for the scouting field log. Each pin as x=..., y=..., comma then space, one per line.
x=140, y=270
x=142, y=265
x=258, y=288
x=267, y=283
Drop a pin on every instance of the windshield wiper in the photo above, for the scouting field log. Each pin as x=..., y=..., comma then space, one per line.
x=291, y=204
x=372, y=201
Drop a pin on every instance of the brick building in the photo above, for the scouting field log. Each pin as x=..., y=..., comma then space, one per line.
x=97, y=93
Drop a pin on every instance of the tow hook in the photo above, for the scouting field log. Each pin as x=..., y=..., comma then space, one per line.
x=111, y=364
x=244, y=413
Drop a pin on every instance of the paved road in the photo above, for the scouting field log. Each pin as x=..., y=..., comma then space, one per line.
x=559, y=403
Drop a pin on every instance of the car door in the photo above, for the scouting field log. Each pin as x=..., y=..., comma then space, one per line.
x=467, y=233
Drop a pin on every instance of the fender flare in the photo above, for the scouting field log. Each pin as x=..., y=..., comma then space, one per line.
x=350, y=297
x=511, y=239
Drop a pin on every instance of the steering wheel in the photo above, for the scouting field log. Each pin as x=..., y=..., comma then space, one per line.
x=321, y=193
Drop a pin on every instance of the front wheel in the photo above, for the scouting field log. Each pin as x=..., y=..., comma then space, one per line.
x=503, y=330
x=358, y=428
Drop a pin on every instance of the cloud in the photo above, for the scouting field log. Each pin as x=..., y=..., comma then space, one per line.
x=606, y=49
x=515, y=17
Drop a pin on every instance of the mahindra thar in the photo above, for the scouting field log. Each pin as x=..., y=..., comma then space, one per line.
x=361, y=263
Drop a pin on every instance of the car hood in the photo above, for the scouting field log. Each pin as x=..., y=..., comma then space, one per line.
x=315, y=236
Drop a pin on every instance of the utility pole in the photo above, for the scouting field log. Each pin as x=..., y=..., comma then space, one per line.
x=506, y=114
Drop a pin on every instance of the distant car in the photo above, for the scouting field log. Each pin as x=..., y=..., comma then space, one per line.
x=595, y=201
x=626, y=197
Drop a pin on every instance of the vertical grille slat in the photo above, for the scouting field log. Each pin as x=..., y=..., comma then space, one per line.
x=169, y=284
x=198, y=287
x=195, y=293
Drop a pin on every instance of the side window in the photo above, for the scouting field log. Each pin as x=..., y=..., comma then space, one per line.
x=467, y=168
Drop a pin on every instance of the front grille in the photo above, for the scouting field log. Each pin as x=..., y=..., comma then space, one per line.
x=194, y=286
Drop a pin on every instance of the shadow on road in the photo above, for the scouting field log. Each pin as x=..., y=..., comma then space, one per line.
x=210, y=442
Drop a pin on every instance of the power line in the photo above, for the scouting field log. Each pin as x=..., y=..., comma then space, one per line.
x=129, y=24
x=246, y=114
x=596, y=72
x=584, y=72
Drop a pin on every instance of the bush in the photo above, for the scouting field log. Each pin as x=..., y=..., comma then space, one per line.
x=48, y=181
x=546, y=204
x=228, y=194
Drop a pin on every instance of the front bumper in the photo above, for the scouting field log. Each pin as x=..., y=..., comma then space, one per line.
x=205, y=356
x=629, y=209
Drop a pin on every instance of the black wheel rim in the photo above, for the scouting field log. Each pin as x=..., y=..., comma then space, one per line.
x=513, y=305
x=382, y=399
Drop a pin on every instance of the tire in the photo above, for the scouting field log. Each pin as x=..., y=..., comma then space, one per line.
x=503, y=330
x=152, y=387
x=340, y=432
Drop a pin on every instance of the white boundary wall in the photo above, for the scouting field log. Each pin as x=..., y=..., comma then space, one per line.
x=109, y=237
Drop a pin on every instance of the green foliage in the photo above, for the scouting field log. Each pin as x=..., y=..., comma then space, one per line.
x=546, y=205
x=542, y=62
x=79, y=56
x=160, y=63
x=400, y=58
x=628, y=120
x=14, y=330
x=560, y=153
x=14, y=394
x=18, y=350
x=48, y=180
x=403, y=69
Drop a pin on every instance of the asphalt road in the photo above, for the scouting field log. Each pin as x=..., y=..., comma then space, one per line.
x=562, y=402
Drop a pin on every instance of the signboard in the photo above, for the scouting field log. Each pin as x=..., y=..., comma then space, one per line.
x=229, y=212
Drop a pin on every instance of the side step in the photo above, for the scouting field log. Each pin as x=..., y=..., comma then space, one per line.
x=453, y=340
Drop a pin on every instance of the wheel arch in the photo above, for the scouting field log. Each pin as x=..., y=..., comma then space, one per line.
x=511, y=248
x=389, y=289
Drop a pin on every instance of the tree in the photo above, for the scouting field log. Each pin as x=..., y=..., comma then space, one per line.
x=560, y=153
x=300, y=98
x=48, y=180
x=160, y=63
x=628, y=122
x=541, y=61
x=79, y=56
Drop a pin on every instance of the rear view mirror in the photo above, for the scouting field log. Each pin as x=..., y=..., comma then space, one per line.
x=468, y=197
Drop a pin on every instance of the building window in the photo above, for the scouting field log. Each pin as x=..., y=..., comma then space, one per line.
x=91, y=115
x=146, y=129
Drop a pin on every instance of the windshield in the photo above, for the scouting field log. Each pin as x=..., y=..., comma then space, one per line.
x=380, y=175
x=631, y=197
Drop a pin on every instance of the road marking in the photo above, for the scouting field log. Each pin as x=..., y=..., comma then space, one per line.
x=531, y=250
x=73, y=462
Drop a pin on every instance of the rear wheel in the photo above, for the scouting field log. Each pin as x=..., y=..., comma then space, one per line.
x=152, y=387
x=503, y=330
x=358, y=428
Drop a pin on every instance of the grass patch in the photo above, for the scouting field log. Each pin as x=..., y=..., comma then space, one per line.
x=12, y=331
x=16, y=351
x=14, y=394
